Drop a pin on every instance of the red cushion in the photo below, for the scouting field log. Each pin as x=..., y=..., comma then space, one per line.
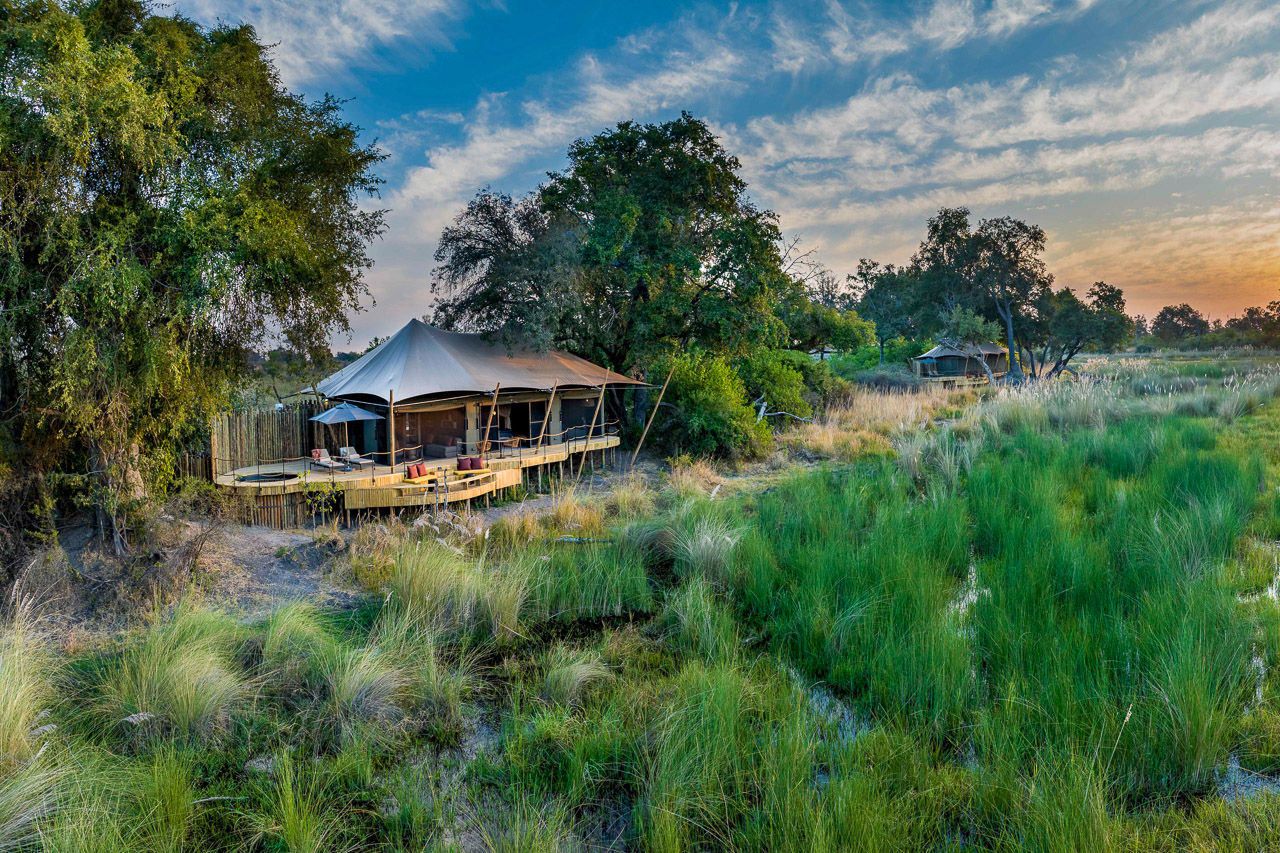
x=449, y=441
x=419, y=470
x=315, y=454
x=477, y=463
x=464, y=463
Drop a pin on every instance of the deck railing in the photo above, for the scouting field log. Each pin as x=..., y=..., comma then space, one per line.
x=575, y=438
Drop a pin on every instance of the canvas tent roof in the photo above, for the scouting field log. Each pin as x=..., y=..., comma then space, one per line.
x=421, y=361
x=944, y=350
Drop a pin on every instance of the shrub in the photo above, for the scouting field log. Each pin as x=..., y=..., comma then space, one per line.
x=709, y=413
x=773, y=376
x=896, y=354
x=889, y=378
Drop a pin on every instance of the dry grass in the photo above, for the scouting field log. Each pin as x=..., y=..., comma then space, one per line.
x=630, y=498
x=372, y=556
x=515, y=530
x=692, y=477
x=574, y=515
x=864, y=423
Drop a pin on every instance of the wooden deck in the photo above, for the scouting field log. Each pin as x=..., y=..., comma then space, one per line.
x=286, y=502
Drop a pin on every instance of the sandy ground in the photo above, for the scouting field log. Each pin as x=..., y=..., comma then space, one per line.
x=257, y=569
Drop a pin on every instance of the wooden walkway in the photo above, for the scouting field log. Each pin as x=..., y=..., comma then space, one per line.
x=286, y=494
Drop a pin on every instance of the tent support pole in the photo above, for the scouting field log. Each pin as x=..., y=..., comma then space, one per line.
x=484, y=442
x=391, y=427
x=546, y=418
x=591, y=429
x=652, y=415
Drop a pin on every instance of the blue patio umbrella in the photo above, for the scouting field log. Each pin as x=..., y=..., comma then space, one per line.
x=345, y=413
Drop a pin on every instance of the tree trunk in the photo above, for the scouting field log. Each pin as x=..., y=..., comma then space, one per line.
x=120, y=483
x=882, y=352
x=1015, y=368
x=1031, y=358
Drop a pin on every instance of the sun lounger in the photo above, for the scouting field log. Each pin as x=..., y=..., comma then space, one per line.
x=353, y=458
x=324, y=460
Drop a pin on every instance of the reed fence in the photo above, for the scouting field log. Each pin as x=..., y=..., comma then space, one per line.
x=241, y=438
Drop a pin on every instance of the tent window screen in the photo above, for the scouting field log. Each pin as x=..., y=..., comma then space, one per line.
x=419, y=428
x=575, y=417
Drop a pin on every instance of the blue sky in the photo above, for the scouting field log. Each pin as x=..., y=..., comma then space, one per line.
x=1144, y=137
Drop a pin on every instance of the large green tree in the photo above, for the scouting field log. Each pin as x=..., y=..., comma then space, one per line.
x=645, y=243
x=1178, y=322
x=165, y=205
x=889, y=297
x=1069, y=325
x=995, y=269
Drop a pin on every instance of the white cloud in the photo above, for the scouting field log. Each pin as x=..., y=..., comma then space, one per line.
x=949, y=23
x=323, y=37
x=1213, y=34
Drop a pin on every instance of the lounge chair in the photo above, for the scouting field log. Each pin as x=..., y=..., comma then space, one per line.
x=322, y=458
x=353, y=458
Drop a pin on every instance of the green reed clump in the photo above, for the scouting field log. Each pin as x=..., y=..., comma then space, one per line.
x=180, y=678
x=589, y=582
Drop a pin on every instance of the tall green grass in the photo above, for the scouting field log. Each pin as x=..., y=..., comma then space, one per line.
x=1046, y=627
x=179, y=679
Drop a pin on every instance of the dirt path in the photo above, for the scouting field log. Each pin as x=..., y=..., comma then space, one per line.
x=257, y=569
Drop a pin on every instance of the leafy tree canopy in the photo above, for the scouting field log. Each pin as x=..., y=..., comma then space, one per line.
x=893, y=299
x=165, y=205
x=1070, y=325
x=645, y=243
x=1178, y=322
x=963, y=281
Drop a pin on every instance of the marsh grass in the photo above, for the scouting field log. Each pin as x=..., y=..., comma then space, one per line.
x=1044, y=623
x=372, y=554
x=164, y=794
x=179, y=678
x=299, y=816
x=571, y=675
x=630, y=498
x=697, y=622
x=28, y=669
x=691, y=478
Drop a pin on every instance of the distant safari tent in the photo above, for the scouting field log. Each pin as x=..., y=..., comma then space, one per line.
x=949, y=364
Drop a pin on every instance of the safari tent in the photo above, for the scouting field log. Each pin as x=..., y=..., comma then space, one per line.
x=436, y=391
x=951, y=364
